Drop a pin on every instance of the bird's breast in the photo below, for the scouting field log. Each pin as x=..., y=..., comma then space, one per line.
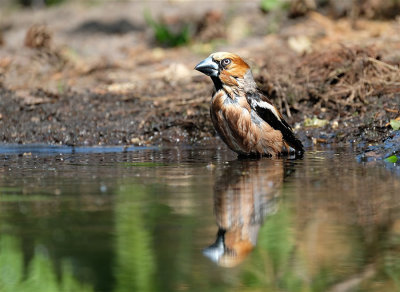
x=221, y=100
x=241, y=128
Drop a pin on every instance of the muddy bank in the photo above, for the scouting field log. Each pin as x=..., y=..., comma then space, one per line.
x=98, y=119
x=104, y=81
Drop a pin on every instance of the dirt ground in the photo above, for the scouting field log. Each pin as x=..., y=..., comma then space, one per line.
x=93, y=74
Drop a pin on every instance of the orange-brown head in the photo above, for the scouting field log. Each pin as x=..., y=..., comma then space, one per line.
x=225, y=69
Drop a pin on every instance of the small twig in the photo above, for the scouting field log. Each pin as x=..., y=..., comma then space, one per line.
x=352, y=95
x=383, y=64
x=391, y=110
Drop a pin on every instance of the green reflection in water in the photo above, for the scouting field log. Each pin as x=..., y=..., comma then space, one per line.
x=392, y=261
x=135, y=261
x=270, y=266
x=40, y=275
x=154, y=245
x=279, y=264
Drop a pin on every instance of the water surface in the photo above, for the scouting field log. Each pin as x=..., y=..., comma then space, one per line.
x=195, y=220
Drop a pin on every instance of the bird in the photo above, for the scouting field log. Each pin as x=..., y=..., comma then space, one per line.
x=242, y=115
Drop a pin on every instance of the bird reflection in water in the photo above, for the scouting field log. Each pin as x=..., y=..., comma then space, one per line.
x=244, y=195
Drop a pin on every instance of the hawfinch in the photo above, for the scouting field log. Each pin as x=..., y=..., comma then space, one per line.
x=244, y=118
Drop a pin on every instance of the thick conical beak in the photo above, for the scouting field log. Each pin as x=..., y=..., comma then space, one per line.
x=208, y=67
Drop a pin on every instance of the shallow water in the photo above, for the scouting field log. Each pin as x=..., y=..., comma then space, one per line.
x=195, y=220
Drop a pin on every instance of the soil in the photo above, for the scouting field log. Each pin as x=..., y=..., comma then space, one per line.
x=101, y=78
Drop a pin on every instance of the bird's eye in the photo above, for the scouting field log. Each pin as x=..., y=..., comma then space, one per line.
x=225, y=62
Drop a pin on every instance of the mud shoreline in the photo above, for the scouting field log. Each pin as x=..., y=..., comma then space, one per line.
x=112, y=85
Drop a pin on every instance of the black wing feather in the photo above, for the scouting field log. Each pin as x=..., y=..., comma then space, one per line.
x=277, y=123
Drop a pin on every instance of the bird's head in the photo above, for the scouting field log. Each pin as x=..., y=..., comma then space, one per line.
x=225, y=69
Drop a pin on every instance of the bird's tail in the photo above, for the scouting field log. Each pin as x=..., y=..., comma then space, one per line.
x=294, y=146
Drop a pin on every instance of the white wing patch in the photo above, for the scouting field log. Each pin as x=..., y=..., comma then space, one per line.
x=266, y=105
